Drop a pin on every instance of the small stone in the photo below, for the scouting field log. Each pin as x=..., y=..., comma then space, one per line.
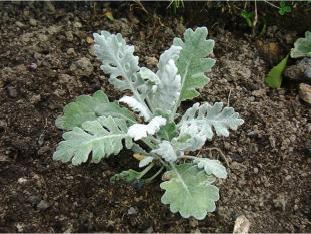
x=132, y=211
x=71, y=51
x=77, y=24
x=241, y=225
x=32, y=66
x=89, y=40
x=20, y=227
x=256, y=170
x=33, y=22
x=22, y=180
x=151, y=61
x=35, y=99
x=33, y=199
x=19, y=24
x=288, y=177
x=69, y=35
x=149, y=230
x=43, y=37
x=43, y=205
x=193, y=222
x=53, y=29
x=82, y=67
x=280, y=202
x=305, y=92
x=12, y=92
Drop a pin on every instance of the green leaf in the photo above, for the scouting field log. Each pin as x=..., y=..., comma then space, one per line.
x=190, y=192
x=192, y=62
x=128, y=176
x=88, y=108
x=284, y=8
x=168, y=131
x=302, y=47
x=274, y=77
x=248, y=16
x=102, y=137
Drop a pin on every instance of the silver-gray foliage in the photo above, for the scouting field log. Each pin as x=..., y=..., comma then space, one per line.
x=143, y=120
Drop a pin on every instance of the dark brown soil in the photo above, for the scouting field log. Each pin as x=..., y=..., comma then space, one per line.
x=269, y=155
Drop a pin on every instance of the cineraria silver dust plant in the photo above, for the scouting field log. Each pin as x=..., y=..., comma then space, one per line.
x=160, y=137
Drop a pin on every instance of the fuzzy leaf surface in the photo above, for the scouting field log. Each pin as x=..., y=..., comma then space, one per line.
x=166, y=151
x=102, y=137
x=117, y=60
x=211, y=167
x=163, y=88
x=88, y=108
x=200, y=122
x=302, y=46
x=190, y=192
x=128, y=176
x=139, y=131
x=193, y=62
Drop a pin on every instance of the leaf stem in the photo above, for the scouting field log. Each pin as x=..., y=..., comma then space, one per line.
x=144, y=172
x=148, y=180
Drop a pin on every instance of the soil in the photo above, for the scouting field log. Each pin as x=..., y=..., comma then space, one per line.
x=46, y=60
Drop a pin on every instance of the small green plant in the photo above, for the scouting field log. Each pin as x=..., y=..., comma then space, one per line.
x=160, y=137
x=302, y=48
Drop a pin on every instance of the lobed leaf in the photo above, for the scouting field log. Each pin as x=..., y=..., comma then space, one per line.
x=192, y=62
x=211, y=167
x=302, y=46
x=117, y=60
x=102, y=137
x=166, y=151
x=128, y=176
x=200, y=121
x=190, y=192
x=88, y=108
x=139, y=131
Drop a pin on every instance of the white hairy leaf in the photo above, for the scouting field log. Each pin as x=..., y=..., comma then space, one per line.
x=139, y=131
x=166, y=151
x=117, y=60
x=145, y=161
x=200, y=121
x=137, y=106
x=211, y=167
x=162, y=89
x=102, y=137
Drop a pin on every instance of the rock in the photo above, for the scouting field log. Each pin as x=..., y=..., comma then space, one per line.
x=33, y=199
x=77, y=24
x=53, y=29
x=132, y=211
x=19, y=24
x=82, y=67
x=280, y=201
x=241, y=225
x=69, y=35
x=12, y=92
x=89, y=40
x=149, y=230
x=43, y=205
x=22, y=180
x=300, y=72
x=151, y=61
x=32, y=66
x=35, y=99
x=43, y=37
x=33, y=22
x=193, y=222
x=305, y=92
x=71, y=51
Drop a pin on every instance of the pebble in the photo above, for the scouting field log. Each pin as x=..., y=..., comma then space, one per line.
x=193, y=222
x=151, y=61
x=22, y=180
x=33, y=199
x=43, y=205
x=71, y=51
x=132, y=211
x=82, y=67
x=280, y=202
x=35, y=99
x=256, y=170
x=33, y=22
x=241, y=225
x=69, y=35
x=12, y=92
x=19, y=24
x=305, y=92
x=77, y=24
x=43, y=37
